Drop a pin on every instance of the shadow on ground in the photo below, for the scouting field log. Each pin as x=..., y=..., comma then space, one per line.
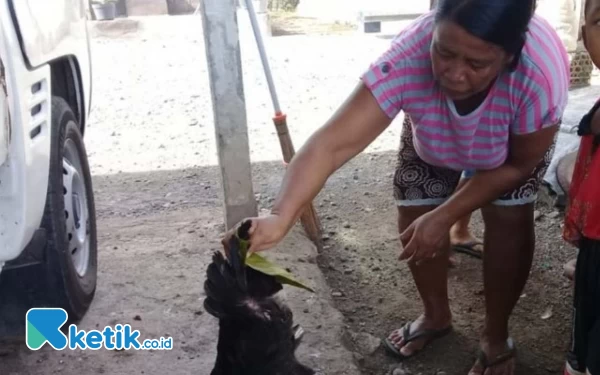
x=157, y=232
x=158, y=229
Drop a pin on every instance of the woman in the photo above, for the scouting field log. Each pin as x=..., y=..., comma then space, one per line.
x=483, y=85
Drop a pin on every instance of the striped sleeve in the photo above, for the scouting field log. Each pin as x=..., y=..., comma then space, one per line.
x=543, y=86
x=385, y=80
x=538, y=110
x=387, y=77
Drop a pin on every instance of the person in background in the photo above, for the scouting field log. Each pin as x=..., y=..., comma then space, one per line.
x=461, y=238
x=582, y=224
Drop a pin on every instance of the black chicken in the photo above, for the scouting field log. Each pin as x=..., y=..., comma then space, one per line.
x=256, y=332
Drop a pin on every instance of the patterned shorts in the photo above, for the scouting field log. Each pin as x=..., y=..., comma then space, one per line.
x=417, y=183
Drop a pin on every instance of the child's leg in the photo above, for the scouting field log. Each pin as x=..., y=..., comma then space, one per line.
x=593, y=357
x=586, y=306
x=586, y=344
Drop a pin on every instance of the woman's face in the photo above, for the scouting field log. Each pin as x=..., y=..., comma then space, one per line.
x=463, y=64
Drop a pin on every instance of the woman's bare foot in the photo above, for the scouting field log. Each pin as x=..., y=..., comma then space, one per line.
x=434, y=329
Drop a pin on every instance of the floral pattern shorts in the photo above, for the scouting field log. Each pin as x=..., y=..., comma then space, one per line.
x=417, y=183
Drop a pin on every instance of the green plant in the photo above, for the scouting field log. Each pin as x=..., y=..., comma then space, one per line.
x=260, y=263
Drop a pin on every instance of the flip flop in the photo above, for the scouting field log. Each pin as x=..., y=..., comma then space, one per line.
x=469, y=249
x=430, y=334
x=509, y=354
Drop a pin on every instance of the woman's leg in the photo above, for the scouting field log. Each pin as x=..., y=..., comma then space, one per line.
x=419, y=188
x=509, y=244
x=431, y=279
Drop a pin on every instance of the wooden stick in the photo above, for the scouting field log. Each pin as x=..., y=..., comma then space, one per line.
x=309, y=216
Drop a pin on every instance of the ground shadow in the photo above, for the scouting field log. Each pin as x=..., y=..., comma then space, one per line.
x=165, y=213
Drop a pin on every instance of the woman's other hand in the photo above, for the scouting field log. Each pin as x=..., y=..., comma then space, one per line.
x=427, y=237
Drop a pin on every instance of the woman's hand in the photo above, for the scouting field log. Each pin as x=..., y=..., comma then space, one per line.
x=426, y=237
x=265, y=232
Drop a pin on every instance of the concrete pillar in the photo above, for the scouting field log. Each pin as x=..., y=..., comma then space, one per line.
x=221, y=36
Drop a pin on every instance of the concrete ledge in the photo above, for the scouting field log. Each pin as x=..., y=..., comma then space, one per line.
x=154, y=26
x=178, y=7
x=115, y=28
x=370, y=21
x=147, y=7
x=321, y=347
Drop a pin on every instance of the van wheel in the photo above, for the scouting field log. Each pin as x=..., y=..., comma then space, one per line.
x=70, y=217
x=66, y=278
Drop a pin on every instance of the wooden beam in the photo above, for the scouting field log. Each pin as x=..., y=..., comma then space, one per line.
x=221, y=37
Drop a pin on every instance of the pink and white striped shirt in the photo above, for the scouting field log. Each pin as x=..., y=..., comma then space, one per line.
x=520, y=102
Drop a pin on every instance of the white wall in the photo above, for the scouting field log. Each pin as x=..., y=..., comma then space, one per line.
x=347, y=10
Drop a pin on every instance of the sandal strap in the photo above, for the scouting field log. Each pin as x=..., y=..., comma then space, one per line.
x=430, y=333
x=501, y=358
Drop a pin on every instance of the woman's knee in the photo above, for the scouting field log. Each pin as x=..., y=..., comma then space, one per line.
x=506, y=223
x=408, y=214
x=510, y=215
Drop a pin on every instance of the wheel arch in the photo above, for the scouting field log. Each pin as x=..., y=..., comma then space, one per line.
x=67, y=84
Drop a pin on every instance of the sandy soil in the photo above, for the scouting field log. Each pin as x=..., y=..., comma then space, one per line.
x=152, y=151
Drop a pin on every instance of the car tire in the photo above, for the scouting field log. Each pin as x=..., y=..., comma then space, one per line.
x=65, y=278
x=70, y=217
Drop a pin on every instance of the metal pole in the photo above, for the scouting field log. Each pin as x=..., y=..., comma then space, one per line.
x=263, y=55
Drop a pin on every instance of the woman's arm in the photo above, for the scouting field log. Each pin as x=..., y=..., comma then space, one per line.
x=525, y=153
x=358, y=122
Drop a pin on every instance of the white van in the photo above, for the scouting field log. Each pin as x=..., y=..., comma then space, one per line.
x=48, y=251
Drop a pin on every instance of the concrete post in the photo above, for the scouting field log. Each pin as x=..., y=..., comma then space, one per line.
x=219, y=21
x=262, y=6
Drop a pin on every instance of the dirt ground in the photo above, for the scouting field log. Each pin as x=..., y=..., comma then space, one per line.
x=152, y=150
x=379, y=294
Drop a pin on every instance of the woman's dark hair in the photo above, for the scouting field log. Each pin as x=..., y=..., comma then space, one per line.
x=501, y=22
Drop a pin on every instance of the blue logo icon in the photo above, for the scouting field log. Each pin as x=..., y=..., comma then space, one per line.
x=43, y=326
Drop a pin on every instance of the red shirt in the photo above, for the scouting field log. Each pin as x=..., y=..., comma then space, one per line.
x=583, y=211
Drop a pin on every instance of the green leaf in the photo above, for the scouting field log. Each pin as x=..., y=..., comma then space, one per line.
x=265, y=266
x=244, y=245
